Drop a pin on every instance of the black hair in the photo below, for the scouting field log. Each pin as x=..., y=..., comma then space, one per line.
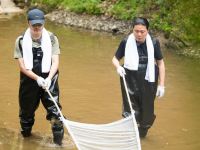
x=140, y=21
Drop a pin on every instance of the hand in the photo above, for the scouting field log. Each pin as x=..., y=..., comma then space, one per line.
x=40, y=81
x=121, y=71
x=47, y=83
x=160, y=91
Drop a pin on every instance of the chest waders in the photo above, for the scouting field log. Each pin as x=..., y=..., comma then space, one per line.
x=30, y=95
x=142, y=94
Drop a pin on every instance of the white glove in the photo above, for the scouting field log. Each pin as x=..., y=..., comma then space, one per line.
x=121, y=71
x=47, y=83
x=40, y=81
x=160, y=91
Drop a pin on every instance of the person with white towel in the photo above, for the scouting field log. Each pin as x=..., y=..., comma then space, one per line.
x=144, y=71
x=37, y=52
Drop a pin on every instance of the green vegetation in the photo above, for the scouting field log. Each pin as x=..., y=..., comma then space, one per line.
x=124, y=9
x=78, y=6
x=178, y=19
x=83, y=6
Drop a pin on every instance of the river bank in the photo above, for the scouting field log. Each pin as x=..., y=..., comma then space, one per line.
x=91, y=22
x=107, y=24
x=8, y=7
x=97, y=23
x=166, y=19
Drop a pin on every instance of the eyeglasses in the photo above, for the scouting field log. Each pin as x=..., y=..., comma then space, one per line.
x=140, y=31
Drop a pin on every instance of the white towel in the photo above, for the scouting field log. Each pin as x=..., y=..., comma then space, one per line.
x=131, y=60
x=46, y=48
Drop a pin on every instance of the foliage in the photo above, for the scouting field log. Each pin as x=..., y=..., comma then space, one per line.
x=83, y=6
x=50, y=3
x=124, y=9
x=189, y=22
x=78, y=6
x=178, y=18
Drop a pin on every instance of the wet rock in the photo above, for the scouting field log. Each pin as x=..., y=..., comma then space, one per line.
x=8, y=6
x=22, y=3
x=99, y=23
x=115, y=29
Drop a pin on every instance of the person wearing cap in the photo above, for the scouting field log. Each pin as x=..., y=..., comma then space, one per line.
x=144, y=72
x=37, y=52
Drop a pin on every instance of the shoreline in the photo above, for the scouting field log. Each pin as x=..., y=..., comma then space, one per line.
x=8, y=7
x=98, y=23
x=91, y=22
x=106, y=24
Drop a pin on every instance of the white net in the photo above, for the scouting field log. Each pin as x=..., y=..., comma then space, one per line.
x=118, y=135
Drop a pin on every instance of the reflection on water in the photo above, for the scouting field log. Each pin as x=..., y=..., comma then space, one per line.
x=90, y=91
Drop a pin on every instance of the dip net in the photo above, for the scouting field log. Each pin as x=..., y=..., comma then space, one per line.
x=119, y=135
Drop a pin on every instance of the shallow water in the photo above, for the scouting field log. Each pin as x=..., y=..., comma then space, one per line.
x=90, y=91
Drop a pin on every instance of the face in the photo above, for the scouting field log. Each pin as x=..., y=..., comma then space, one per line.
x=140, y=32
x=36, y=30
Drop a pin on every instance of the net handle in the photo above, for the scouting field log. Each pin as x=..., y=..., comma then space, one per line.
x=132, y=113
x=128, y=96
x=62, y=118
x=61, y=115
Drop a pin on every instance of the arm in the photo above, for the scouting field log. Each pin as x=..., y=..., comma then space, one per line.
x=118, y=55
x=119, y=68
x=115, y=62
x=54, y=66
x=29, y=73
x=161, y=66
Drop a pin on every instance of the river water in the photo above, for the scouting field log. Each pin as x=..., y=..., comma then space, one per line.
x=90, y=91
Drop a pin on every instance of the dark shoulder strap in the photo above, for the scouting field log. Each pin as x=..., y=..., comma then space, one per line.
x=20, y=46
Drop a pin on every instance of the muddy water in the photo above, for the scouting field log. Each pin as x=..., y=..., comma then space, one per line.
x=90, y=91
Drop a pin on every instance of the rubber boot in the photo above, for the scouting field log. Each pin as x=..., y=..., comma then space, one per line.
x=143, y=131
x=58, y=131
x=26, y=133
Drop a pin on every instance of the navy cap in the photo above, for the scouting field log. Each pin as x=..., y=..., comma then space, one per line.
x=36, y=16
